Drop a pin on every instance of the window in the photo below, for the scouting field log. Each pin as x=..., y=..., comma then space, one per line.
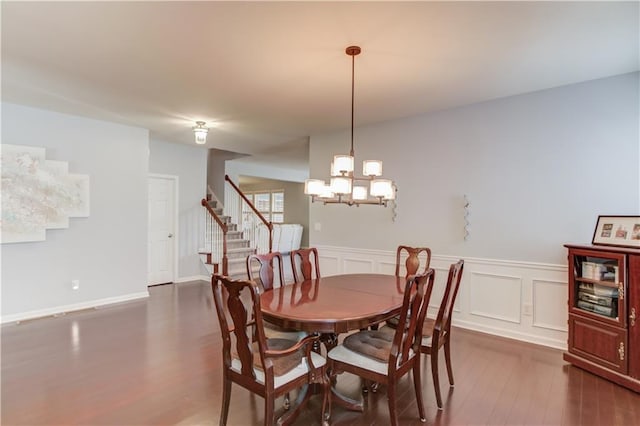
x=277, y=207
x=269, y=203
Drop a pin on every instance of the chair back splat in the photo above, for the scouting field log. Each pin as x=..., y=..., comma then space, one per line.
x=242, y=320
x=413, y=257
x=308, y=270
x=265, y=274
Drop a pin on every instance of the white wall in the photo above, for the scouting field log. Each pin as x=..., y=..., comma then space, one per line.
x=244, y=166
x=538, y=169
x=107, y=251
x=189, y=163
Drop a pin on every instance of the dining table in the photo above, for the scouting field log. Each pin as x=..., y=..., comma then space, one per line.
x=329, y=306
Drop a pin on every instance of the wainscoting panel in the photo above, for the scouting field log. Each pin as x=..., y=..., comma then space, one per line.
x=519, y=300
x=385, y=267
x=550, y=304
x=438, y=290
x=329, y=265
x=495, y=296
x=358, y=266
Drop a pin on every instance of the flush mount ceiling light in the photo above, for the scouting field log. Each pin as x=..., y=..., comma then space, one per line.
x=200, y=130
x=344, y=186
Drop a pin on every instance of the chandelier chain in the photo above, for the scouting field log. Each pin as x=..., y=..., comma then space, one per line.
x=353, y=71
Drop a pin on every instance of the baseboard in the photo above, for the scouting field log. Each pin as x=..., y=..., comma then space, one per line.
x=72, y=307
x=192, y=278
x=510, y=334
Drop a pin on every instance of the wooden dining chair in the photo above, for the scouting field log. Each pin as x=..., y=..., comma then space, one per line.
x=264, y=274
x=436, y=332
x=413, y=257
x=308, y=270
x=384, y=356
x=266, y=277
x=267, y=367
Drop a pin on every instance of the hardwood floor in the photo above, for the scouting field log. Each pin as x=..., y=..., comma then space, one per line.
x=158, y=362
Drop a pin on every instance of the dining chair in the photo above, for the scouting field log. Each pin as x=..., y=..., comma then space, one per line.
x=265, y=274
x=266, y=277
x=385, y=355
x=413, y=257
x=308, y=270
x=436, y=333
x=267, y=367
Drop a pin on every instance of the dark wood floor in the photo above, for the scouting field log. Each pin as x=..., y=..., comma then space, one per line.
x=158, y=362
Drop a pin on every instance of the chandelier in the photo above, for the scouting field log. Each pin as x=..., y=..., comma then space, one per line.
x=345, y=187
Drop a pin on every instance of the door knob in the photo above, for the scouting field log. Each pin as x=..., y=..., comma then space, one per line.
x=170, y=235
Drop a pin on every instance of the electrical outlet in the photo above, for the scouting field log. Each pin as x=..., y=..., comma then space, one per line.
x=317, y=226
x=75, y=284
x=527, y=309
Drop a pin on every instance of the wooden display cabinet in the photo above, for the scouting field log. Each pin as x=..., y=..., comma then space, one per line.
x=604, y=312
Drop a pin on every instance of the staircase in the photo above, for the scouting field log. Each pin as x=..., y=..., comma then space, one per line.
x=237, y=247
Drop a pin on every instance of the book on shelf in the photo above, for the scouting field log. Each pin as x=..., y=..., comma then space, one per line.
x=597, y=300
x=602, y=310
x=598, y=290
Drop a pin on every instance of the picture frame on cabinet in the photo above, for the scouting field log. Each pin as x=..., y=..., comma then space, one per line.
x=621, y=231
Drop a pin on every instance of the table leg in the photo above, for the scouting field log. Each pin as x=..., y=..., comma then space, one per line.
x=329, y=340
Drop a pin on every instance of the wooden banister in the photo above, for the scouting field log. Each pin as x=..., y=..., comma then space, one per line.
x=225, y=228
x=269, y=225
x=222, y=225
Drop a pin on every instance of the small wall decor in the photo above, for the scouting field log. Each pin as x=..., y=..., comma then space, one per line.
x=467, y=206
x=623, y=231
x=38, y=194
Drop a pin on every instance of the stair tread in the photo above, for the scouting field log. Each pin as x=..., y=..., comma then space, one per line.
x=240, y=250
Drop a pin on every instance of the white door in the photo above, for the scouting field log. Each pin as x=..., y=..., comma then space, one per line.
x=162, y=207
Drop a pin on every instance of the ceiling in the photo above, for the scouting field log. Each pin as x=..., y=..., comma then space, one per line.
x=266, y=75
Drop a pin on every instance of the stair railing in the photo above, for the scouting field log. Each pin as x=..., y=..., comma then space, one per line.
x=216, y=239
x=251, y=222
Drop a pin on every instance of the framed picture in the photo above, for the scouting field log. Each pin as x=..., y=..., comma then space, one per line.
x=623, y=231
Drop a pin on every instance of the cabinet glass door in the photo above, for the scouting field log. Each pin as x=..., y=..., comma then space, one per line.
x=598, y=287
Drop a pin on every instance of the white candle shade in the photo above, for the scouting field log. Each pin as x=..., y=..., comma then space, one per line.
x=382, y=188
x=326, y=192
x=313, y=186
x=341, y=185
x=342, y=165
x=372, y=168
x=359, y=193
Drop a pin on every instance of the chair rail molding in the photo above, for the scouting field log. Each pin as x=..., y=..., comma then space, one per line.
x=514, y=299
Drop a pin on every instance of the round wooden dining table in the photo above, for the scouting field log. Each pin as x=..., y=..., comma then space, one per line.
x=332, y=305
